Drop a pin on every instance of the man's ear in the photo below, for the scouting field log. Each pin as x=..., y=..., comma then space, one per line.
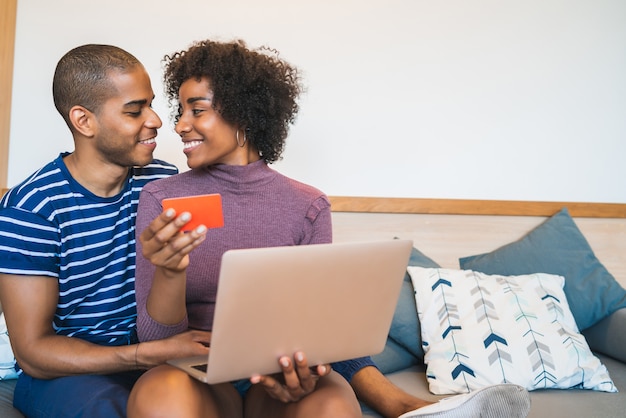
x=83, y=120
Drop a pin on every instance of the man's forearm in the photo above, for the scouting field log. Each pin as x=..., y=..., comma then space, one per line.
x=57, y=356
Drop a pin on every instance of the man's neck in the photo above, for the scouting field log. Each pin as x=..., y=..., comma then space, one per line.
x=101, y=178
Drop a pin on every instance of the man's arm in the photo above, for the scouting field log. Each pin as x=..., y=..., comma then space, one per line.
x=29, y=303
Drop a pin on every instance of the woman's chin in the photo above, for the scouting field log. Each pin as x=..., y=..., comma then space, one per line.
x=192, y=164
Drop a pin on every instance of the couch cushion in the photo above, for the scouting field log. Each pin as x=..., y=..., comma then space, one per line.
x=480, y=329
x=544, y=403
x=558, y=247
x=7, y=387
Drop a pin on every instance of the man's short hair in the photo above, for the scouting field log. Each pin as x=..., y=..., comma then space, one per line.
x=82, y=77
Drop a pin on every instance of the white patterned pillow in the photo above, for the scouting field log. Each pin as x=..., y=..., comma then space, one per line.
x=7, y=359
x=479, y=330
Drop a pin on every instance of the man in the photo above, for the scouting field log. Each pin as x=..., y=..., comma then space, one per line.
x=68, y=254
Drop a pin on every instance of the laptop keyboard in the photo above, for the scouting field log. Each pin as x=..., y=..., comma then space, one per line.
x=201, y=367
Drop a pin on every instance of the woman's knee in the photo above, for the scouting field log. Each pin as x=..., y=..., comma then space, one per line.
x=163, y=391
x=338, y=399
x=167, y=392
x=333, y=397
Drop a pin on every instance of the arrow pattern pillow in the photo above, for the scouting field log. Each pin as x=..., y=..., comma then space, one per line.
x=480, y=329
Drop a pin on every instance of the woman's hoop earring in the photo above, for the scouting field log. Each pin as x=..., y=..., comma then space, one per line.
x=241, y=144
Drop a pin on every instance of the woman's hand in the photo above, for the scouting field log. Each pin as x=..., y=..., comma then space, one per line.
x=297, y=381
x=165, y=245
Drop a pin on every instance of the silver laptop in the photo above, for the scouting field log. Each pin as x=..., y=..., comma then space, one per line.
x=333, y=302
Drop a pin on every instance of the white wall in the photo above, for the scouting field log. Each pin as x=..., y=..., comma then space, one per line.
x=472, y=99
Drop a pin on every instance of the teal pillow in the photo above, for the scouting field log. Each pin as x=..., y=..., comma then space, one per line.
x=558, y=247
x=393, y=358
x=405, y=328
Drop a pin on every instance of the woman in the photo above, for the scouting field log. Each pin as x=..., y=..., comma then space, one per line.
x=234, y=109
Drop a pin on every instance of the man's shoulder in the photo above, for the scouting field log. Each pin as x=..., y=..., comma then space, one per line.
x=40, y=186
x=157, y=169
x=171, y=186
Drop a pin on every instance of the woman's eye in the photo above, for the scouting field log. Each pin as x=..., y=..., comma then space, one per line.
x=196, y=112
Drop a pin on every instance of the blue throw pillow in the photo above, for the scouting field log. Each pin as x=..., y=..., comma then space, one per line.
x=405, y=327
x=393, y=358
x=558, y=247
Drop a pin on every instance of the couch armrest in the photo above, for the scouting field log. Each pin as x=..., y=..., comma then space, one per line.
x=609, y=335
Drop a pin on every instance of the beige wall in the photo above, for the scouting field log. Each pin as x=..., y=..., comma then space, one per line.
x=8, y=9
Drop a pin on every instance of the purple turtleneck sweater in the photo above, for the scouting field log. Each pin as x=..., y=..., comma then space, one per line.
x=262, y=208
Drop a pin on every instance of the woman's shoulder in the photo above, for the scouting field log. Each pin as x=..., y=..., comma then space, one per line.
x=308, y=194
x=306, y=189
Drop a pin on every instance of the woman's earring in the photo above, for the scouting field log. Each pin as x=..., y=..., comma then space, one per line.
x=241, y=144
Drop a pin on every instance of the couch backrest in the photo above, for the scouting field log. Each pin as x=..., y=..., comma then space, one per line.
x=447, y=237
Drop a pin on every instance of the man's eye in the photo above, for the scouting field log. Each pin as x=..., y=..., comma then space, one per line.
x=196, y=112
x=134, y=114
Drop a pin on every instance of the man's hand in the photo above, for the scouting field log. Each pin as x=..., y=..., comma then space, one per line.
x=165, y=245
x=295, y=382
x=186, y=344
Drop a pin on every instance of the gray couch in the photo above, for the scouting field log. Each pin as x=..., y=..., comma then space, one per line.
x=607, y=339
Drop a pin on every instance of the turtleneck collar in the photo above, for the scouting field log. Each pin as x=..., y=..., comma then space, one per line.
x=250, y=175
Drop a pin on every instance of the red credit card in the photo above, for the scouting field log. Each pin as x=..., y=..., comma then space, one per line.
x=205, y=210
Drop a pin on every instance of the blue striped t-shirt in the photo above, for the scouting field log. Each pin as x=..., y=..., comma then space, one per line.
x=52, y=226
